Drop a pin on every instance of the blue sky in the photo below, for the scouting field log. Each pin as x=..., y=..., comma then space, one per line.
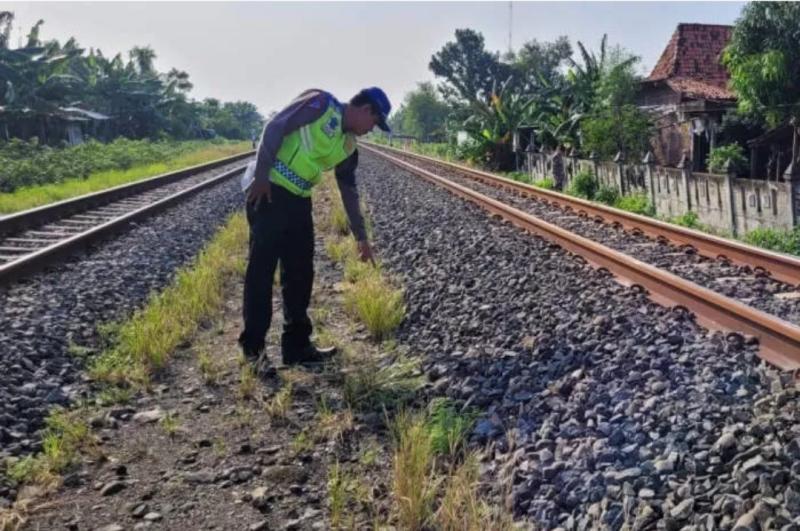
x=268, y=52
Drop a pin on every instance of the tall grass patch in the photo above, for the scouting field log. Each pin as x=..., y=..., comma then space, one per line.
x=144, y=343
x=369, y=296
x=377, y=304
x=461, y=507
x=413, y=479
x=435, y=480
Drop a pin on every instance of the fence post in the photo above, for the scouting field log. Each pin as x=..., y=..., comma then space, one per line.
x=648, y=170
x=620, y=160
x=529, y=151
x=686, y=172
x=730, y=177
x=792, y=174
x=595, y=169
x=573, y=166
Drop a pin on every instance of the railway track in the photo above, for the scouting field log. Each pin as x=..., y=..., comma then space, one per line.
x=596, y=233
x=37, y=237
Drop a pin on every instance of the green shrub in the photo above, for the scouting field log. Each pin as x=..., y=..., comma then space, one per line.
x=583, y=185
x=718, y=158
x=636, y=203
x=783, y=241
x=689, y=220
x=547, y=183
x=607, y=194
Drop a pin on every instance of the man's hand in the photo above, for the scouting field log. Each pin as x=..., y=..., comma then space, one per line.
x=365, y=252
x=261, y=189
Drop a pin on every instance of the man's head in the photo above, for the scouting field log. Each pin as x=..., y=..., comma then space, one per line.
x=368, y=108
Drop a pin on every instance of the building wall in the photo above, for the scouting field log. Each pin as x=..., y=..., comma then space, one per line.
x=727, y=204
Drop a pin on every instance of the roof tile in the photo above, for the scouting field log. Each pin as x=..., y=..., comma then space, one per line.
x=691, y=61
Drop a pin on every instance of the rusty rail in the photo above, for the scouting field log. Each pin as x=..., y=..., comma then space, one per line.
x=779, y=340
x=780, y=266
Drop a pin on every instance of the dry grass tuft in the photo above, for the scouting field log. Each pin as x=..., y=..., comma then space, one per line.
x=279, y=406
x=413, y=482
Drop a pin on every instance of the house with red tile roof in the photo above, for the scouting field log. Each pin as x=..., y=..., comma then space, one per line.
x=687, y=92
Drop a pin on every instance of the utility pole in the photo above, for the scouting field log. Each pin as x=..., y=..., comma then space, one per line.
x=510, y=24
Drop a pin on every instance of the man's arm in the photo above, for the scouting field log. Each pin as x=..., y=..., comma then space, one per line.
x=346, y=180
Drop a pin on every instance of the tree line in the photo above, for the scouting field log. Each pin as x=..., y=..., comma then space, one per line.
x=44, y=82
x=584, y=99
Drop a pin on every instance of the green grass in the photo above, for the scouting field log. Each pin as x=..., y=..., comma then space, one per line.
x=302, y=442
x=145, y=343
x=32, y=196
x=449, y=429
x=374, y=386
x=248, y=382
x=210, y=367
x=434, y=479
x=170, y=424
x=337, y=219
x=369, y=296
x=376, y=304
x=519, y=177
x=65, y=436
x=547, y=183
x=780, y=240
x=280, y=404
x=636, y=203
x=583, y=185
x=461, y=507
x=689, y=220
x=414, y=483
x=607, y=195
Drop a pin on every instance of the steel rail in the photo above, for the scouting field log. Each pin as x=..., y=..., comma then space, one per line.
x=780, y=266
x=40, y=257
x=13, y=223
x=779, y=341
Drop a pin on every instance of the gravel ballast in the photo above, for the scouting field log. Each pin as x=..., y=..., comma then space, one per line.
x=597, y=407
x=43, y=316
x=732, y=280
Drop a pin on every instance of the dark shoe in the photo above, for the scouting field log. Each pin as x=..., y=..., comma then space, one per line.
x=308, y=356
x=263, y=368
x=251, y=353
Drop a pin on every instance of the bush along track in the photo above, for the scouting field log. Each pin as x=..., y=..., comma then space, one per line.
x=183, y=435
x=93, y=167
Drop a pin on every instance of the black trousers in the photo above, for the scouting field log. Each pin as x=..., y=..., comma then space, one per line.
x=280, y=232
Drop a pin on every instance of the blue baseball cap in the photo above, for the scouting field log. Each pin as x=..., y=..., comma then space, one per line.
x=381, y=103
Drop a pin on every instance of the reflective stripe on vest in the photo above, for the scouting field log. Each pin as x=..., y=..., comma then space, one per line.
x=295, y=179
x=305, y=138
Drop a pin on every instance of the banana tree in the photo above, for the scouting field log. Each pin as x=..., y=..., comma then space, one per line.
x=492, y=124
x=36, y=80
x=554, y=116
